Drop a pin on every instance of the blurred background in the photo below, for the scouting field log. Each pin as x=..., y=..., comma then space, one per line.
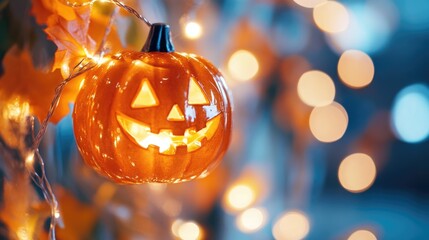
x=330, y=125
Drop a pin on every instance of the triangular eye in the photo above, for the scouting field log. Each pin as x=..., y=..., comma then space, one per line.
x=196, y=95
x=146, y=97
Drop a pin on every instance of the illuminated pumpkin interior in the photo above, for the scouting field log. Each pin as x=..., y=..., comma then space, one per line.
x=167, y=143
x=175, y=114
x=196, y=94
x=146, y=96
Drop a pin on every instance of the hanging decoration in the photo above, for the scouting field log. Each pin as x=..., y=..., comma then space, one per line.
x=153, y=116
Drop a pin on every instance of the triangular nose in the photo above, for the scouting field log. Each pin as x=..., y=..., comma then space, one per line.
x=175, y=114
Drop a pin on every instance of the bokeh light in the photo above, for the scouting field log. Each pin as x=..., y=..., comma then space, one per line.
x=331, y=17
x=251, y=220
x=293, y=225
x=369, y=29
x=193, y=30
x=328, y=123
x=355, y=68
x=410, y=113
x=188, y=231
x=240, y=196
x=243, y=65
x=293, y=70
x=316, y=88
x=357, y=172
x=175, y=227
x=308, y=3
x=362, y=235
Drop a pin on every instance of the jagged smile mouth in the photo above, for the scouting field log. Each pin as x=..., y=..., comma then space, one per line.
x=166, y=142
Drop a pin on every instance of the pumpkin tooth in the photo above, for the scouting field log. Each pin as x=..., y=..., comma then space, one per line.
x=181, y=149
x=166, y=132
x=166, y=142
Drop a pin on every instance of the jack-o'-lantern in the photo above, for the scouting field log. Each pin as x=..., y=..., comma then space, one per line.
x=153, y=116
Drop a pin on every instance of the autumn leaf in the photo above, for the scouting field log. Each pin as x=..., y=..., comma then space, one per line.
x=22, y=79
x=70, y=33
x=75, y=30
x=79, y=218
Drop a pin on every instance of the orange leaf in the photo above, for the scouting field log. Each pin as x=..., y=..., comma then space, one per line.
x=22, y=79
x=74, y=29
x=79, y=218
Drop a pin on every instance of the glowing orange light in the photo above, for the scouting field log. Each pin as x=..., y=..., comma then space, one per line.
x=331, y=17
x=328, y=123
x=243, y=65
x=240, y=197
x=189, y=231
x=362, y=235
x=293, y=225
x=251, y=220
x=193, y=30
x=316, y=88
x=357, y=172
x=175, y=227
x=355, y=68
x=308, y=3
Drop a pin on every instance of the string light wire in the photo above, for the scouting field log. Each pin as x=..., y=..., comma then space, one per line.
x=40, y=178
x=132, y=11
x=116, y=2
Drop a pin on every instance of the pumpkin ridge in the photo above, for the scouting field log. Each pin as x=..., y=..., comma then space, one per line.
x=90, y=135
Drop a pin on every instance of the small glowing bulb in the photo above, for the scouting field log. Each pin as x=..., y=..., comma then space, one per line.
x=65, y=70
x=57, y=214
x=17, y=110
x=193, y=30
x=29, y=160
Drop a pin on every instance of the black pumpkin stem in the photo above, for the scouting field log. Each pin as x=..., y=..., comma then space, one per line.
x=159, y=39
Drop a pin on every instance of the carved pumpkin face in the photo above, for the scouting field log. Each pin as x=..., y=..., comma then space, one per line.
x=153, y=117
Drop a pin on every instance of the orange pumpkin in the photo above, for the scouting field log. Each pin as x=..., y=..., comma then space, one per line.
x=153, y=116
